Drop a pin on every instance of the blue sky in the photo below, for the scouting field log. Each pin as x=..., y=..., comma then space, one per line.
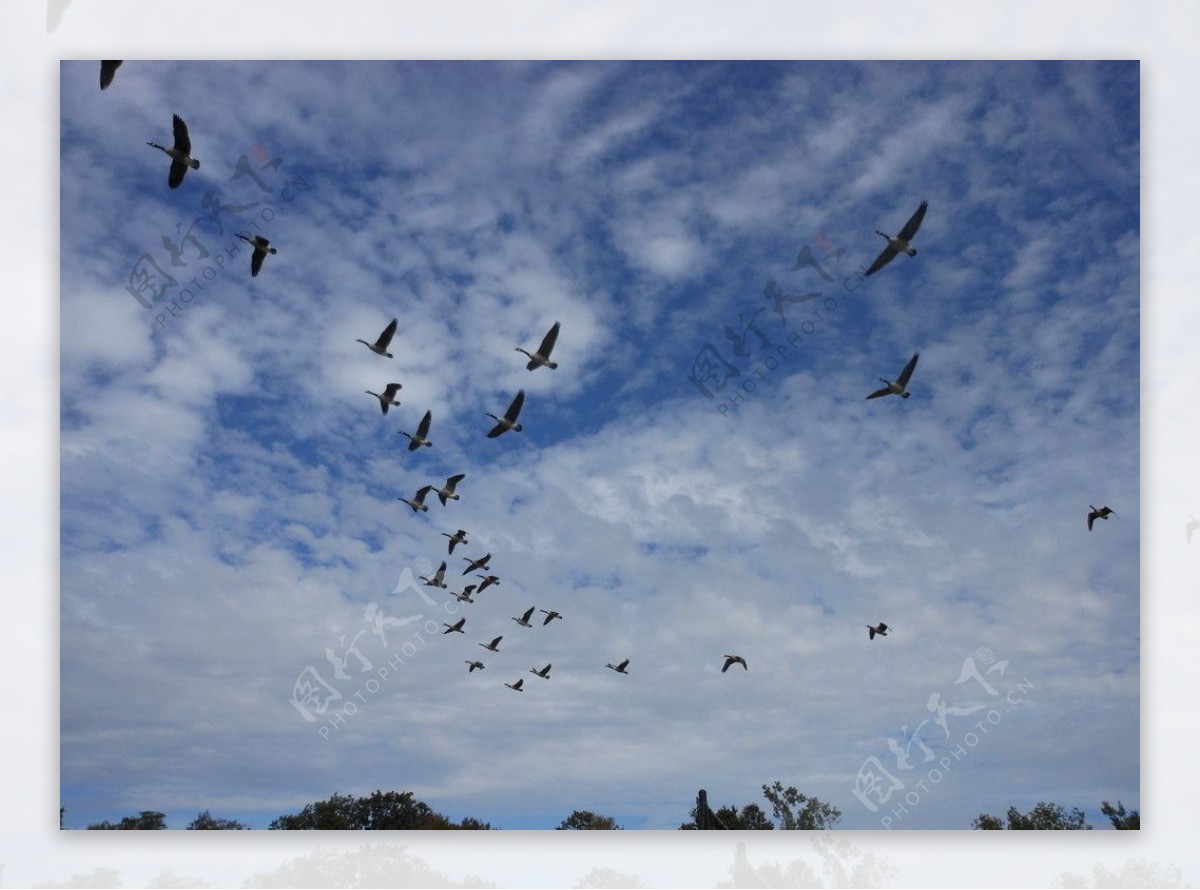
x=228, y=491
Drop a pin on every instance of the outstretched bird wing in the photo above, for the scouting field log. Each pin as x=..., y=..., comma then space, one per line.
x=256, y=260
x=108, y=70
x=514, y=409
x=548, y=341
x=423, y=427
x=914, y=223
x=880, y=392
x=386, y=337
x=175, y=177
x=908, y=369
x=882, y=260
x=182, y=142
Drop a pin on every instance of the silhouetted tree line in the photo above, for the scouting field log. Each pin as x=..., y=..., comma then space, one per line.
x=790, y=810
x=1052, y=817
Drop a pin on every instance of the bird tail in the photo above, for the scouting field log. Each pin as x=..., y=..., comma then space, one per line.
x=195, y=165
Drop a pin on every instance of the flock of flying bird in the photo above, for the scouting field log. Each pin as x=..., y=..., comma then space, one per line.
x=897, y=244
x=448, y=491
x=182, y=161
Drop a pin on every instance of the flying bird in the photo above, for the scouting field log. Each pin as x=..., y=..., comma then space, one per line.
x=262, y=247
x=494, y=645
x=550, y=616
x=179, y=153
x=544, y=673
x=898, y=388
x=879, y=628
x=475, y=666
x=619, y=668
x=446, y=492
x=416, y=441
x=438, y=579
x=108, y=70
x=1102, y=513
x=731, y=660
x=488, y=581
x=517, y=685
x=480, y=563
x=387, y=398
x=459, y=537
x=418, y=502
x=901, y=241
x=524, y=619
x=380, y=346
x=455, y=628
x=509, y=420
x=542, y=356
x=465, y=596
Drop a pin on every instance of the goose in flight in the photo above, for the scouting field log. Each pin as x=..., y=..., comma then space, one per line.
x=481, y=563
x=388, y=397
x=524, y=619
x=544, y=673
x=446, y=492
x=619, y=668
x=262, y=247
x=438, y=579
x=542, y=356
x=459, y=537
x=731, y=660
x=879, y=628
x=488, y=581
x=418, y=502
x=179, y=153
x=494, y=645
x=455, y=628
x=901, y=242
x=550, y=616
x=465, y=596
x=380, y=346
x=509, y=420
x=1102, y=513
x=517, y=685
x=901, y=382
x=475, y=666
x=108, y=70
x=416, y=441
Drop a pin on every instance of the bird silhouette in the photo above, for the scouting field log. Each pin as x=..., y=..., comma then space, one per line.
x=509, y=420
x=897, y=388
x=180, y=153
x=1102, y=513
x=901, y=241
x=542, y=356
x=380, y=346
